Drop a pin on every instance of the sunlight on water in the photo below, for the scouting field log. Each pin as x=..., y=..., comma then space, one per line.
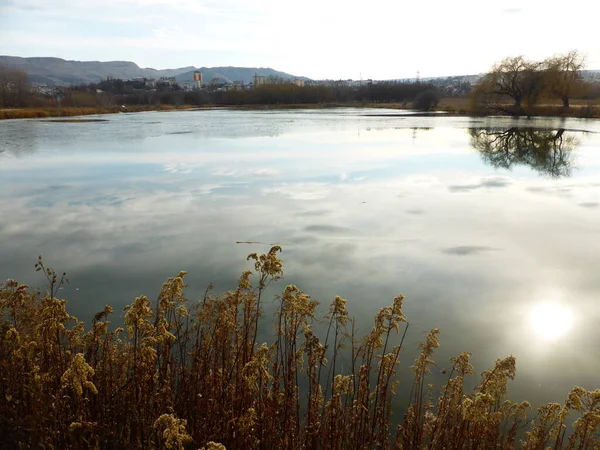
x=550, y=320
x=487, y=224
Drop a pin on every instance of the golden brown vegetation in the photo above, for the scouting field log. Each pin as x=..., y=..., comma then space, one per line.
x=70, y=111
x=465, y=106
x=517, y=86
x=452, y=105
x=192, y=375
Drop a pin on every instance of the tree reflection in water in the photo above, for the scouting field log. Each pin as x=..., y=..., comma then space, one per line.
x=547, y=151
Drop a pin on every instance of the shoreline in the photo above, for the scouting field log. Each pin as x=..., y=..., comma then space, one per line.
x=446, y=108
x=73, y=111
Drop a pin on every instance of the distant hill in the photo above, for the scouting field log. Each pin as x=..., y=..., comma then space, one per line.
x=230, y=74
x=61, y=72
x=57, y=71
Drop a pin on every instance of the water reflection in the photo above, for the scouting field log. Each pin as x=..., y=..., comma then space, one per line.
x=550, y=320
x=122, y=205
x=19, y=140
x=547, y=151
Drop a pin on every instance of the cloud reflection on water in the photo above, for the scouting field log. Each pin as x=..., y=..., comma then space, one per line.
x=123, y=206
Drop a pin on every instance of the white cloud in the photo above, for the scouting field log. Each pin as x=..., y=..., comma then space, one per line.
x=252, y=173
x=299, y=191
x=180, y=168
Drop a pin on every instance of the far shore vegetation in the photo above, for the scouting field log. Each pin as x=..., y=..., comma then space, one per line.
x=514, y=86
x=196, y=374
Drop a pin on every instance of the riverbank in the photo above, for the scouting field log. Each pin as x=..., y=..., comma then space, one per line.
x=455, y=106
x=582, y=109
x=39, y=113
x=451, y=106
x=71, y=111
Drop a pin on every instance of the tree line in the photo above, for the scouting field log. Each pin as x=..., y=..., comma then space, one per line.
x=420, y=95
x=15, y=92
x=516, y=83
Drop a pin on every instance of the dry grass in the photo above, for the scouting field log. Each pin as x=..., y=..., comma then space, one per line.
x=458, y=105
x=32, y=113
x=587, y=109
x=582, y=110
x=192, y=375
x=451, y=105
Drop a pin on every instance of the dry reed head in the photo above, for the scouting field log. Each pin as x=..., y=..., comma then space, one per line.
x=78, y=376
x=172, y=432
x=213, y=446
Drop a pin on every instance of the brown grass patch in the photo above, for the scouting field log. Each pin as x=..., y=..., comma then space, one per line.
x=33, y=113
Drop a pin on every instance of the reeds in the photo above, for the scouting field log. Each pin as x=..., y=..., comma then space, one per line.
x=189, y=375
x=70, y=111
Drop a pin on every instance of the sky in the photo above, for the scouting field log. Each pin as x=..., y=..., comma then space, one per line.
x=335, y=39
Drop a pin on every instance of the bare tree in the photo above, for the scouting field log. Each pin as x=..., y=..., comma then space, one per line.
x=14, y=88
x=512, y=78
x=563, y=75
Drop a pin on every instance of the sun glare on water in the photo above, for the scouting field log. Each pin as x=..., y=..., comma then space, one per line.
x=550, y=320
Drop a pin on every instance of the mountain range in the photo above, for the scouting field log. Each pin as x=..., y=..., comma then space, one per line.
x=61, y=72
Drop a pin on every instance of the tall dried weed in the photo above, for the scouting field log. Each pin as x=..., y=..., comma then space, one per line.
x=189, y=375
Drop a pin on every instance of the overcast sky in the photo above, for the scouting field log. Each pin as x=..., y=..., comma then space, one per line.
x=377, y=39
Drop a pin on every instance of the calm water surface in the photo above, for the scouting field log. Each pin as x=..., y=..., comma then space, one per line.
x=490, y=227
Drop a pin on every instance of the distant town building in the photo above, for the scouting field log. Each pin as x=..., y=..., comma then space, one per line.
x=238, y=86
x=188, y=85
x=167, y=80
x=257, y=80
x=299, y=83
x=218, y=82
x=198, y=79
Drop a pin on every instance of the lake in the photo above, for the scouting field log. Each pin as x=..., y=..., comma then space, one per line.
x=489, y=226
